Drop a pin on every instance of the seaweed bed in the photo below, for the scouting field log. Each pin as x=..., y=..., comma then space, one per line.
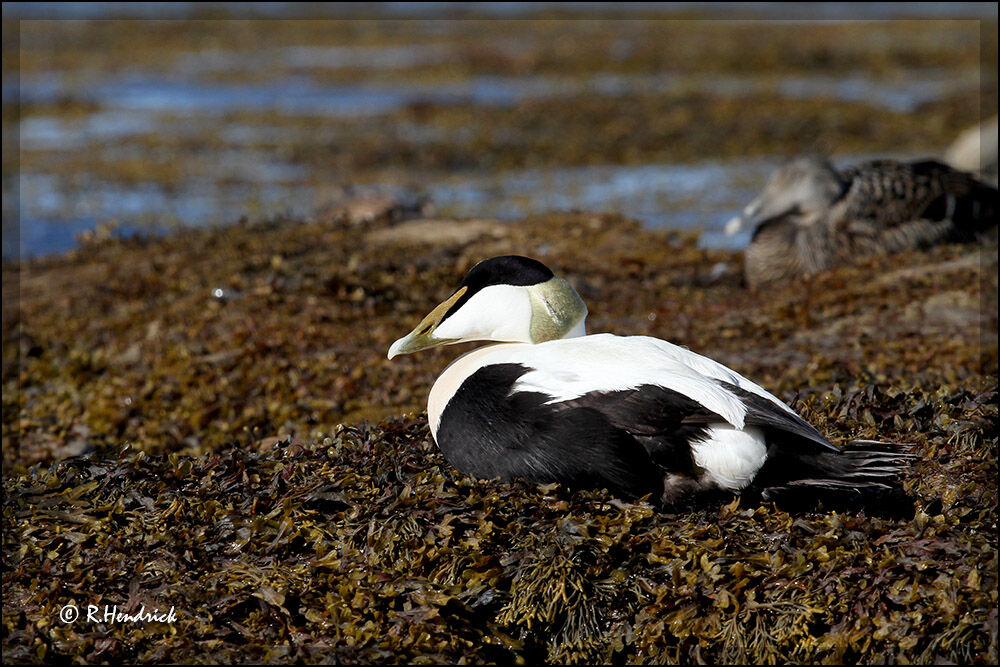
x=207, y=422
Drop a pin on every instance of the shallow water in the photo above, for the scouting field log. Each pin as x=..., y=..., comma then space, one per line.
x=300, y=94
x=239, y=179
x=207, y=136
x=663, y=196
x=701, y=196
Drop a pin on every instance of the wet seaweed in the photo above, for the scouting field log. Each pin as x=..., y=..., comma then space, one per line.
x=272, y=478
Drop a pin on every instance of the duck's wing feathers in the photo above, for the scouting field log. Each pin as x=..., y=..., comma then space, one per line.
x=886, y=193
x=651, y=387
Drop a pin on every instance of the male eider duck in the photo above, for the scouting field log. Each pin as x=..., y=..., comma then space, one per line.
x=548, y=403
x=811, y=217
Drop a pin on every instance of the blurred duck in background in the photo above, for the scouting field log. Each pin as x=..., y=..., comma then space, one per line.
x=811, y=217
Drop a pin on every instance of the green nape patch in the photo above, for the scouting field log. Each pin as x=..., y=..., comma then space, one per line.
x=366, y=546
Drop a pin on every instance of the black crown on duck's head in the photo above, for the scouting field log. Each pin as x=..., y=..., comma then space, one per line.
x=506, y=270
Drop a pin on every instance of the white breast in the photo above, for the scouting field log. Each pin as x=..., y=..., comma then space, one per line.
x=455, y=374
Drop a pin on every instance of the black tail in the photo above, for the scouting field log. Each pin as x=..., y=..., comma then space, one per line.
x=863, y=473
x=940, y=194
x=967, y=202
x=976, y=212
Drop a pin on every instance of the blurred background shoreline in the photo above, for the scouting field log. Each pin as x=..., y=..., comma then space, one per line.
x=672, y=114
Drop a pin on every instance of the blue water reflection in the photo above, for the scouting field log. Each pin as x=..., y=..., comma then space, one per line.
x=300, y=94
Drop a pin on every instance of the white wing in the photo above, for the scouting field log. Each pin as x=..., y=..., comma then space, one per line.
x=569, y=368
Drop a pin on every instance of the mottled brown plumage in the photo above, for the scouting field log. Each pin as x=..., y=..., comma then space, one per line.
x=811, y=217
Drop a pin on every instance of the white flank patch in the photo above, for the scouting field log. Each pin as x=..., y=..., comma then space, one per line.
x=731, y=456
x=497, y=312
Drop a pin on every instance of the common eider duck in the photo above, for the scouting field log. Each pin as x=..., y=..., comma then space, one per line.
x=811, y=217
x=545, y=402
